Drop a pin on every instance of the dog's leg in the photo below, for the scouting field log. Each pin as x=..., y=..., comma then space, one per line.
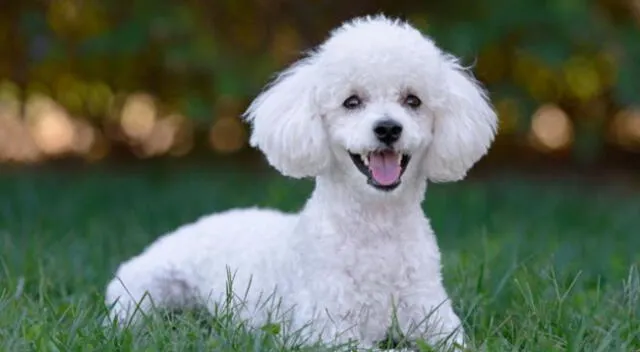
x=337, y=328
x=434, y=322
x=148, y=281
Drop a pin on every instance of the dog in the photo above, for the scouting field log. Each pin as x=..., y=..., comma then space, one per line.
x=373, y=114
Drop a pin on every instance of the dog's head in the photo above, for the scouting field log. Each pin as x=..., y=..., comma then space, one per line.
x=377, y=103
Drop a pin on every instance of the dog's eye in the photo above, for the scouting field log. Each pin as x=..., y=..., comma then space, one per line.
x=352, y=102
x=412, y=101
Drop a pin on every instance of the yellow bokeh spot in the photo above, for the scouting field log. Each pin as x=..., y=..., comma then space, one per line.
x=16, y=144
x=36, y=104
x=37, y=88
x=49, y=124
x=625, y=128
x=183, y=140
x=71, y=100
x=53, y=132
x=161, y=138
x=539, y=80
x=98, y=99
x=84, y=137
x=524, y=68
x=10, y=97
x=69, y=92
x=633, y=125
x=10, y=126
x=582, y=79
x=551, y=128
x=543, y=85
x=635, y=10
x=8, y=88
x=138, y=116
x=63, y=15
x=227, y=135
x=76, y=18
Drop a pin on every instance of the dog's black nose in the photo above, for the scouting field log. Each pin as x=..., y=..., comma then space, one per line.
x=387, y=131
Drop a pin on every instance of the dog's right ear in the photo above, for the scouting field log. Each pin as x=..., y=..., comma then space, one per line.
x=287, y=125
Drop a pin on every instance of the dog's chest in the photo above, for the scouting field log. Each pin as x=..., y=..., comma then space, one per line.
x=380, y=270
x=365, y=265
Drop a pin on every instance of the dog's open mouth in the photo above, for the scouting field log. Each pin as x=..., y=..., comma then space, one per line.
x=383, y=168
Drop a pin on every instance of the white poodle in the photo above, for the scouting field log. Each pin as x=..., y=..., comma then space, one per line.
x=372, y=114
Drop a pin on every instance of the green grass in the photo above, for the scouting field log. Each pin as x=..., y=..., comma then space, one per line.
x=530, y=267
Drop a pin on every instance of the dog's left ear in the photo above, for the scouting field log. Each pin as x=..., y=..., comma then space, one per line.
x=287, y=125
x=464, y=126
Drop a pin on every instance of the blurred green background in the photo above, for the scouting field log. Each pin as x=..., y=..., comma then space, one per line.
x=89, y=80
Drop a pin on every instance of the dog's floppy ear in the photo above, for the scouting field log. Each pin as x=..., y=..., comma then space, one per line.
x=464, y=126
x=287, y=125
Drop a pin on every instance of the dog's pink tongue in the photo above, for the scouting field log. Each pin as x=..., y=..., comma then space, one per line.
x=384, y=167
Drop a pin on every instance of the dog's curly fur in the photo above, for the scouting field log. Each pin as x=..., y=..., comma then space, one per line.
x=358, y=253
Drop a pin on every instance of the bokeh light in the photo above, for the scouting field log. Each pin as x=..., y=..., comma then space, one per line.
x=581, y=78
x=625, y=129
x=16, y=144
x=84, y=137
x=69, y=91
x=161, y=137
x=49, y=124
x=183, y=139
x=37, y=87
x=138, y=116
x=227, y=135
x=551, y=128
x=635, y=10
x=10, y=97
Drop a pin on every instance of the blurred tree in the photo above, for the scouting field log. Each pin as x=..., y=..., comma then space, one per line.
x=582, y=56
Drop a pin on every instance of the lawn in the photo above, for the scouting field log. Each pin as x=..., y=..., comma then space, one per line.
x=530, y=266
